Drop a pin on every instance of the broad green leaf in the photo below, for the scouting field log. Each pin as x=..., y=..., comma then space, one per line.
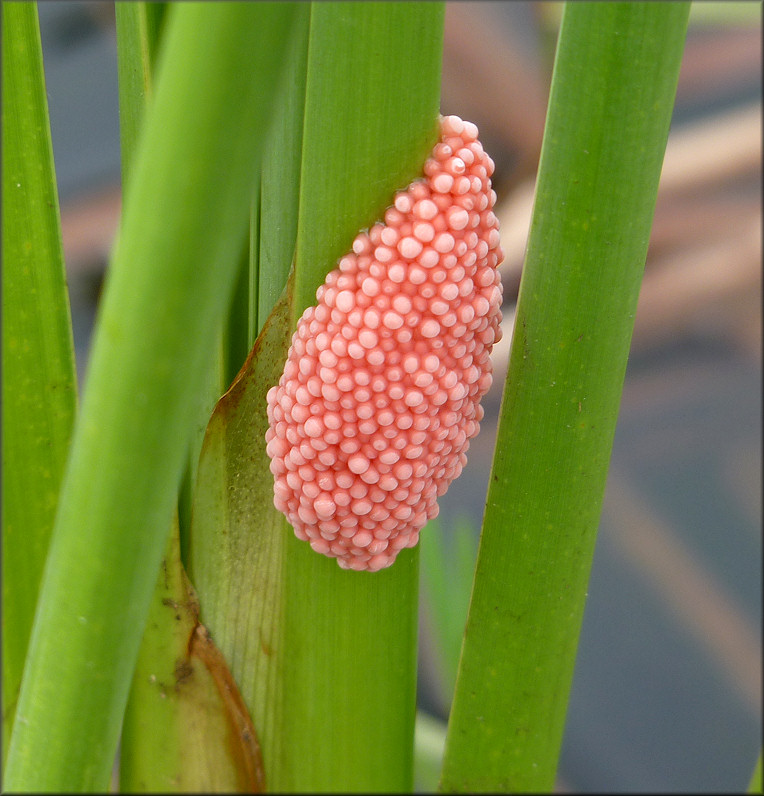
x=609, y=111
x=170, y=281
x=39, y=380
x=186, y=727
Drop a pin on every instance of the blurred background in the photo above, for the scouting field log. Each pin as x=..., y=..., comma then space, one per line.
x=667, y=693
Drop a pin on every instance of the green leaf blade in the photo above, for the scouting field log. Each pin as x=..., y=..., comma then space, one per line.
x=609, y=112
x=39, y=379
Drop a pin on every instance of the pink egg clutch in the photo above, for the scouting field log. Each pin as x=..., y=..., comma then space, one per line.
x=380, y=394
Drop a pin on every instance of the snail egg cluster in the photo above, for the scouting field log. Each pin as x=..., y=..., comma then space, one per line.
x=380, y=394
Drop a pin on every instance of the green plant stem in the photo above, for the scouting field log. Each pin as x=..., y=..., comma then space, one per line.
x=610, y=107
x=170, y=281
x=371, y=104
x=275, y=215
x=139, y=27
x=39, y=379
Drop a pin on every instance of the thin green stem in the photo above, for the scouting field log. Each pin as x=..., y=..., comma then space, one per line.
x=39, y=379
x=139, y=26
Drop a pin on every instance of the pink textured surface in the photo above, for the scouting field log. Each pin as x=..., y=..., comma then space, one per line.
x=380, y=395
